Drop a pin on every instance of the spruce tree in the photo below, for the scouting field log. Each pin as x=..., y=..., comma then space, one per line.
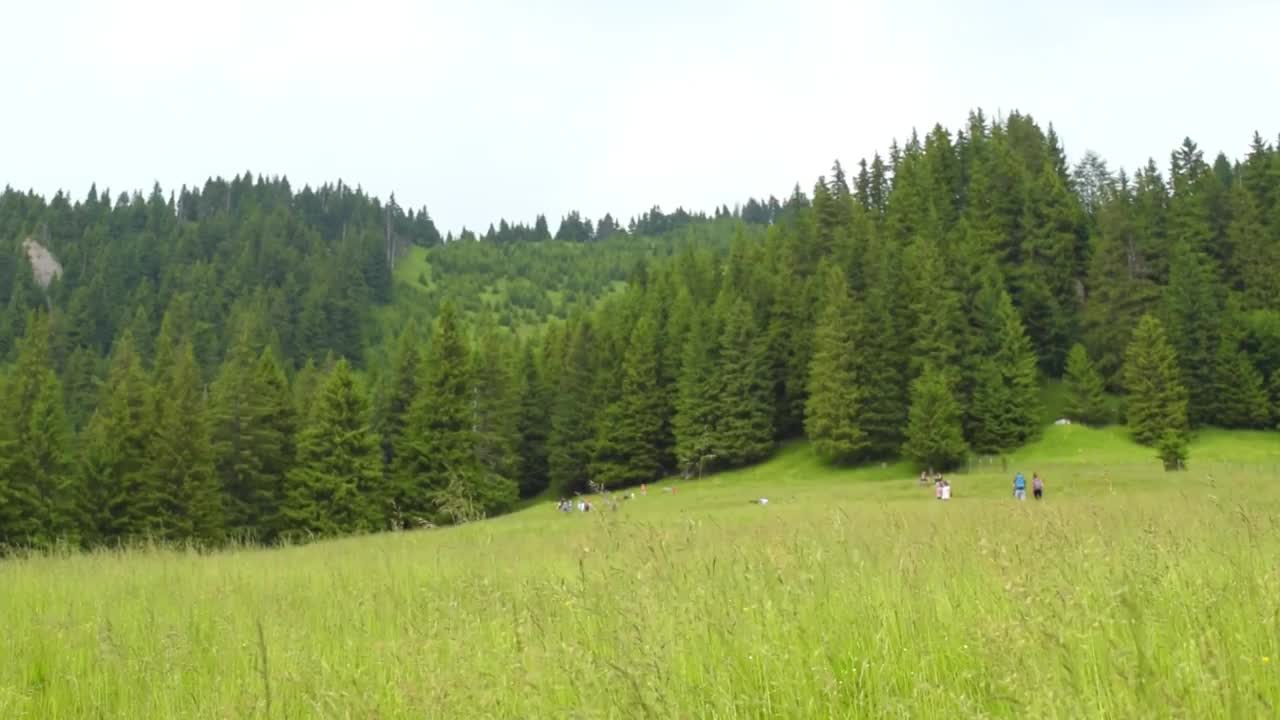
x=1195, y=313
x=439, y=465
x=1239, y=393
x=1086, y=399
x=39, y=498
x=569, y=443
x=882, y=357
x=627, y=451
x=495, y=422
x=336, y=486
x=833, y=413
x=123, y=498
x=695, y=418
x=935, y=438
x=180, y=455
x=1157, y=400
x=743, y=408
x=531, y=425
x=252, y=427
x=935, y=309
x=406, y=381
x=1004, y=410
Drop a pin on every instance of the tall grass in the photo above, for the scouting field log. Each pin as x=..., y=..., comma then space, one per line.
x=1127, y=593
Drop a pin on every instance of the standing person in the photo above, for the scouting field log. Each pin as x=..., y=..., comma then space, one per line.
x=937, y=487
x=1037, y=486
x=946, y=490
x=1019, y=486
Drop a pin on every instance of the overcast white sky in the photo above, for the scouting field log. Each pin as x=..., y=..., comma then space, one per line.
x=482, y=109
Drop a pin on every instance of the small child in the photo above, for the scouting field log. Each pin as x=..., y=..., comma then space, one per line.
x=1037, y=486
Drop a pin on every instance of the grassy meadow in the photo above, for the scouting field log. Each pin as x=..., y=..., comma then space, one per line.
x=1128, y=593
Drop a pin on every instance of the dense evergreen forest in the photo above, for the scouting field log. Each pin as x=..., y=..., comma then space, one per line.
x=243, y=361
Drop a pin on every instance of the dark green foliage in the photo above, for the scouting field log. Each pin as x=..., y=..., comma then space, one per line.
x=439, y=451
x=181, y=456
x=569, y=444
x=531, y=425
x=495, y=419
x=628, y=449
x=1086, y=398
x=1157, y=401
x=337, y=485
x=123, y=498
x=935, y=438
x=39, y=495
x=253, y=425
x=1004, y=410
x=406, y=381
x=743, y=429
x=695, y=418
x=676, y=340
x=1239, y=398
x=1194, y=312
x=837, y=393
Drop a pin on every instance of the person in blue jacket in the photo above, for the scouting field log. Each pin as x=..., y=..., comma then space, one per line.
x=1020, y=486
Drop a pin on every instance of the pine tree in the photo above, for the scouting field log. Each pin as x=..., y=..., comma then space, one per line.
x=695, y=418
x=406, y=381
x=252, y=424
x=1157, y=401
x=569, y=443
x=181, y=455
x=836, y=392
x=1086, y=400
x=1004, y=410
x=439, y=457
x=337, y=483
x=532, y=424
x=123, y=498
x=935, y=438
x=495, y=423
x=1239, y=393
x=39, y=498
x=628, y=447
x=1194, y=315
x=884, y=363
x=743, y=411
x=935, y=310
x=1120, y=286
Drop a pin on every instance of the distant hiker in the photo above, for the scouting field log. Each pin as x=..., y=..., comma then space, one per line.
x=1037, y=486
x=946, y=490
x=1019, y=486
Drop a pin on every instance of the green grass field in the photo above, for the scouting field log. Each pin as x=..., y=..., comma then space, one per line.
x=1127, y=593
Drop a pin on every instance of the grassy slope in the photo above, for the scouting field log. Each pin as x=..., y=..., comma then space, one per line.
x=1129, y=593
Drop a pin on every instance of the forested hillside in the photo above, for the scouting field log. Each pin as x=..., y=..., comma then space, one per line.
x=247, y=361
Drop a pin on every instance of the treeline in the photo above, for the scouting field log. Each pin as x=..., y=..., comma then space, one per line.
x=914, y=308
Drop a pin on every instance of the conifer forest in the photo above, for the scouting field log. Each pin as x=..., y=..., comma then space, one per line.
x=249, y=361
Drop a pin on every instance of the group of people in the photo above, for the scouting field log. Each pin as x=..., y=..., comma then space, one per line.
x=941, y=488
x=1020, y=486
x=567, y=505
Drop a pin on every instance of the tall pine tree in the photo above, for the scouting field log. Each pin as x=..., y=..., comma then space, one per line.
x=833, y=414
x=1157, y=401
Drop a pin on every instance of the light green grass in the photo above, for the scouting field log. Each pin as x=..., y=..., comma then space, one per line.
x=1128, y=593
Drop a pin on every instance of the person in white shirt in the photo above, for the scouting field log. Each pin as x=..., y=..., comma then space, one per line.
x=946, y=490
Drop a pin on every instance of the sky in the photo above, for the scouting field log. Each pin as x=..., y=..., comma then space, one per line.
x=488, y=109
